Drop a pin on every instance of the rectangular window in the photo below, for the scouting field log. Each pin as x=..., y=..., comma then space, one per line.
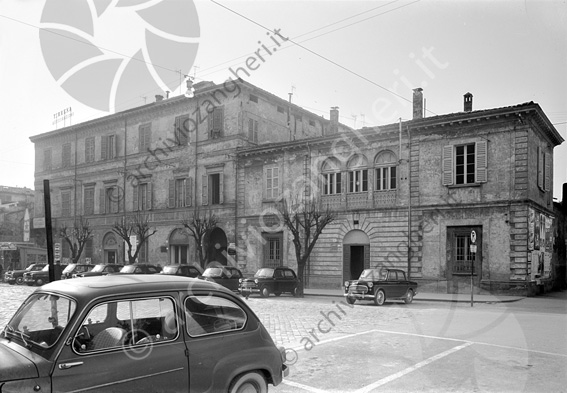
x=111, y=200
x=180, y=192
x=215, y=188
x=142, y=196
x=253, y=130
x=386, y=178
x=281, y=109
x=253, y=98
x=181, y=131
x=463, y=256
x=465, y=164
x=89, y=201
x=108, y=148
x=274, y=248
x=332, y=183
x=216, y=122
x=89, y=248
x=66, y=155
x=90, y=149
x=358, y=180
x=66, y=204
x=272, y=183
x=144, y=137
x=311, y=123
x=47, y=166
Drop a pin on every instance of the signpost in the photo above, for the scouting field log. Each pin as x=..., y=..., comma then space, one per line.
x=473, y=252
x=57, y=251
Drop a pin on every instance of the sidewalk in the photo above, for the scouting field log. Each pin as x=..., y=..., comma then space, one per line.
x=430, y=297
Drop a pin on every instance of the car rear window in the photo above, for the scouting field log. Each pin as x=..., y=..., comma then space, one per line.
x=209, y=314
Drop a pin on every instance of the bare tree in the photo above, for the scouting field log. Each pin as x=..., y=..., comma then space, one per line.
x=76, y=237
x=199, y=226
x=305, y=219
x=138, y=225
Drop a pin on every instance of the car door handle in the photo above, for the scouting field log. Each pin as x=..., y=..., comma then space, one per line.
x=65, y=366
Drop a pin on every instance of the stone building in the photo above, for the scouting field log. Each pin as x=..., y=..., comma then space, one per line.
x=410, y=195
x=168, y=160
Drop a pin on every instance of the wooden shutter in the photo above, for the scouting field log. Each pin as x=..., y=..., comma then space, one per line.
x=539, y=168
x=547, y=172
x=218, y=121
x=447, y=165
x=250, y=129
x=135, y=198
x=117, y=146
x=481, y=162
x=221, y=188
x=102, y=201
x=103, y=147
x=149, y=195
x=188, y=189
x=205, y=190
x=171, y=194
x=346, y=262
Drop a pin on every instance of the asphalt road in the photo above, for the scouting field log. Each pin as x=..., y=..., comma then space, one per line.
x=425, y=346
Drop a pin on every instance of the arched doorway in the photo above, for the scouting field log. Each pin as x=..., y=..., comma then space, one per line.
x=356, y=254
x=110, y=248
x=217, y=244
x=178, y=247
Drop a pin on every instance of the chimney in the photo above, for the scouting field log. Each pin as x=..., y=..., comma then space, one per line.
x=468, y=102
x=418, y=103
x=334, y=117
x=159, y=97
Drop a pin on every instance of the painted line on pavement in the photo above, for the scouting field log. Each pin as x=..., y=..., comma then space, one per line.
x=304, y=387
x=408, y=370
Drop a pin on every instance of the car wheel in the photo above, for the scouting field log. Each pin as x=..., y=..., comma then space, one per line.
x=39, y=282
x=350, y=300
x=277, y=293
x=19, y=280
x=249, y=382
x=295, y=292
x=380, y=297
x=409, y=297
x=264, y=291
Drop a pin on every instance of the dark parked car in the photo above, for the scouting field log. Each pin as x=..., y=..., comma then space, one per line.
x=140, y=268
x=17, y=276
x=181, y=270
x=142, y=333
x=41, y=277
x=102, y=269
x=270, y=280
x=227, y=276
x=380, y=285
x=75, y=268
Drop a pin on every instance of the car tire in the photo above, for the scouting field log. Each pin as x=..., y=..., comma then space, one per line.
x=249, y=382
x=295, y=292
x=277, y=293
x=20, y=281
x=39, y=282
x=264, y=291
x=409, y=297
x=379, y=297
x=350, y=300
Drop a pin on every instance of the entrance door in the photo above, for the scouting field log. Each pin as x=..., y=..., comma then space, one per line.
x=111, y=256
x=461, y=262
x=356, y=254
x=356, y=261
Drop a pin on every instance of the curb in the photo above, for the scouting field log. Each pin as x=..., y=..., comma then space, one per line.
x=447, y=300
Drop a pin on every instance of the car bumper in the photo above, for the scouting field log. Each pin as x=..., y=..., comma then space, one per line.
x=360, y=296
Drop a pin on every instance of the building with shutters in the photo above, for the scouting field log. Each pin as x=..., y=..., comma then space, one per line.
x=166, y=159
x=410, y=195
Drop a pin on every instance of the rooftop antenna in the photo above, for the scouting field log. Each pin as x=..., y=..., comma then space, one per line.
x=363, y=120
x=354, y=117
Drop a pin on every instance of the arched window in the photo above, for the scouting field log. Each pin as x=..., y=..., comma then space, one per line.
x=357, y=174
x=331, y=173
x=386, y=171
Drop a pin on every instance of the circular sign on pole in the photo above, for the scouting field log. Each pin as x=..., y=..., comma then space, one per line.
x=473, y=237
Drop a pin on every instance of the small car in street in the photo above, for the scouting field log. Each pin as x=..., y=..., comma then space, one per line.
x=143, y=333
x=270, y=280
x=181, y=270
x=17, y=276
x=75, y=268
x=102, y=269
x=139, y=268
x=227, y=276
x=42, y=276
x=379, y=285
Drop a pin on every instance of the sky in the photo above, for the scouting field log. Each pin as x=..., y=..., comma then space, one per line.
x=364, y=57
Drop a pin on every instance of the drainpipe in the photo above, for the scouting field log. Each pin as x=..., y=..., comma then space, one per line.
x=409, y=201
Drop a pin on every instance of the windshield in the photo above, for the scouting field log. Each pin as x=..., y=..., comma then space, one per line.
x=128, y=269
x=213, y=272
x=373, y=274
x=98, y=268
x=45, y=268
x=264, y=273
x=83, y=268
x=69, y=268
x=41, y=320
x=169, y=270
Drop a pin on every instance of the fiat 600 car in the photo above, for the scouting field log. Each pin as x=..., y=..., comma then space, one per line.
x=379, y=285
x=137, y=333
